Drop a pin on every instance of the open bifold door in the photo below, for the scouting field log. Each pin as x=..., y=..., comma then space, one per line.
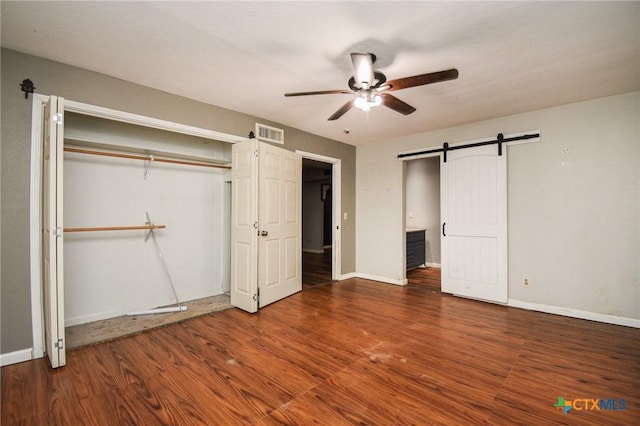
x=266, y=224
x=52, y=233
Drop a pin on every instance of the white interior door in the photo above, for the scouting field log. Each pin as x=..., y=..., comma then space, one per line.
x=279, y=223
x=244, y=226
x=474, y=230
x=52, y=232
x=266, y=224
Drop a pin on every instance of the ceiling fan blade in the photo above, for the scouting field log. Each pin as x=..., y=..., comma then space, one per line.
x=339, y=113
x=396, y=104
x=422, y=79
x=362, y=69
x=320, y=92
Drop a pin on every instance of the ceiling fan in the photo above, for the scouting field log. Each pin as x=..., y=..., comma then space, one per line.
x=372, y=86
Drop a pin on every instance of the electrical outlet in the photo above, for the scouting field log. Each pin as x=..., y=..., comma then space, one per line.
x=525, y=282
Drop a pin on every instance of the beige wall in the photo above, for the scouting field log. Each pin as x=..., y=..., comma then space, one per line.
x=51, y=78
x=573, y=204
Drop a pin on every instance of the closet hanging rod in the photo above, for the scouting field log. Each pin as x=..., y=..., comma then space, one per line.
x=144, y=158
x=115, y=228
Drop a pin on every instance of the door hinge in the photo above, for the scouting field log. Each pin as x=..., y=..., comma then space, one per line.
x=57, y=232
x=57, y=118
x=59, y=344
x=255, y=153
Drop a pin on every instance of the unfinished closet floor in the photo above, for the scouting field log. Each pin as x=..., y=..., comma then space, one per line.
x=113, y=328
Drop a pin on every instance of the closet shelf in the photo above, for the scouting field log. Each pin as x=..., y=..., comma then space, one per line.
x=115, y=228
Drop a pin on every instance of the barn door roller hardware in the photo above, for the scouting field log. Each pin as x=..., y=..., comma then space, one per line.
x=500, y=140
x=27, y=87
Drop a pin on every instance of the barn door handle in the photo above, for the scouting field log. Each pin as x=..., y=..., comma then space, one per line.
x=264, y=233
x=443, y=225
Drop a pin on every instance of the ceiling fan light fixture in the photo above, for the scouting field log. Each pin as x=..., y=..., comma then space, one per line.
x=371, y=87
x=366, y=101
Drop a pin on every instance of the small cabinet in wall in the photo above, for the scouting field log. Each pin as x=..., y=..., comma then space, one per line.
x=415, y=248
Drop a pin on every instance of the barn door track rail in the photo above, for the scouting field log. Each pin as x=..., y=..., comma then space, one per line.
x=499, y=140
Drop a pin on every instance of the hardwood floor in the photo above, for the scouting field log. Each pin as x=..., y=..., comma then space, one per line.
x=316, y=269
x=355, y=352
x=425, y=277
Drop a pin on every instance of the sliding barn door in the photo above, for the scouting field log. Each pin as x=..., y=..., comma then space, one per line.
x=474, y=229
x=266, y=225
x=52, y=231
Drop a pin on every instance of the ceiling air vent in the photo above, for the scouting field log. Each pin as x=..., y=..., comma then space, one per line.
x=269, y=134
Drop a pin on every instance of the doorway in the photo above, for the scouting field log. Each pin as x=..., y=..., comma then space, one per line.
x=422, y=221
x=317, y=220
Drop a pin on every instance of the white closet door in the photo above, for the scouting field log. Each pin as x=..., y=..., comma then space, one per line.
x=53, y=231
x=244, y=222
x=474, y=215
x=279, y=223
x=266, y=224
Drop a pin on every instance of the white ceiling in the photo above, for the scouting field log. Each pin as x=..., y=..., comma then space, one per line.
x=512, y=56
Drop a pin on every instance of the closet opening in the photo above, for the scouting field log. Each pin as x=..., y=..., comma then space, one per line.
x=142, y=223
x=422, y=222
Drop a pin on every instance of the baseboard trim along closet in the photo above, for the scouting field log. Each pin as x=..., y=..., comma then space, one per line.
x=16, y=357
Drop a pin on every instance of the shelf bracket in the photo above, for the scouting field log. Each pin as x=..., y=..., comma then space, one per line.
x=147, y=164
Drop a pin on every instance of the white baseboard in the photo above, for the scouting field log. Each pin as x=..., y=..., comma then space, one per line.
x=432, y=265
x=347, y=276
x=381, y=279
x=549, y=309
x=16, y=357
x=83, y=319
x=304, y=250
x=575, y=313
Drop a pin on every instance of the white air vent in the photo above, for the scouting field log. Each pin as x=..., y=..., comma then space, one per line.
x=269, y=134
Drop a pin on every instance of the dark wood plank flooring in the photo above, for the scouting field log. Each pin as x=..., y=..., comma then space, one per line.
x=316, y=269
x=425, y=277
x=354, y=352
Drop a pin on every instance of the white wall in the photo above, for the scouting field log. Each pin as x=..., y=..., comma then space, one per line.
x=573, y=207
x=422, y=200
x=111, y=273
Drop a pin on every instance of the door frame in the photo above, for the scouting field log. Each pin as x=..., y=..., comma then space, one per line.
x=440, y=154
x=336, y=208
x=36, y=176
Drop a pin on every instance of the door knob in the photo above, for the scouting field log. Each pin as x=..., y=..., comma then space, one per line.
x=264, y=233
